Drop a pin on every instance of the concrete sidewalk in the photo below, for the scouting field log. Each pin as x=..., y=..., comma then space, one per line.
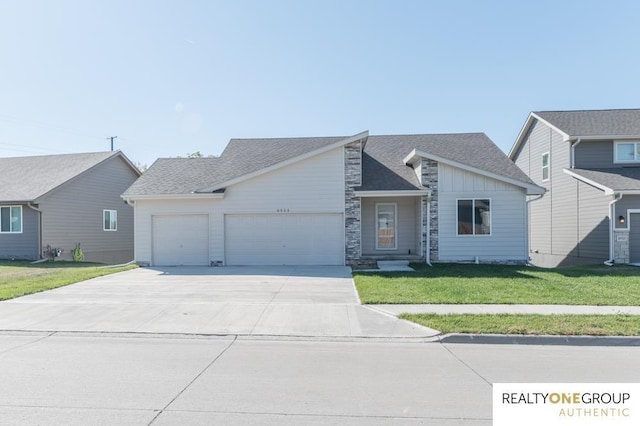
x=506, y=309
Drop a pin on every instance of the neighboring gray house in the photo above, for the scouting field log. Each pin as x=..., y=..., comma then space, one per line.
x=57, y=201
x=334, y=201
x=589, y=162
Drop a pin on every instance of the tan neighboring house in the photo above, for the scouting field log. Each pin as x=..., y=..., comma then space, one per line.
x=589, y=164
x=49, y=204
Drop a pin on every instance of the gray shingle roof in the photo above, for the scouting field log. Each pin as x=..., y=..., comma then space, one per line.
x=241, y=157
x=611, y=122
x=471, y=149
x=617, y=179
x=383, y=167
x=28, y=178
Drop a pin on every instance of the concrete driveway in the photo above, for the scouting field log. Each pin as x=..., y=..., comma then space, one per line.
x=256, y=301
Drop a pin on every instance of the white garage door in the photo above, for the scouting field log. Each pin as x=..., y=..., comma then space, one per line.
x=284, y=239
x=180, y=240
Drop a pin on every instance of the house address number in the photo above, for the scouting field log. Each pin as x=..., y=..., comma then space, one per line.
x=282, y=210
x=622, y=238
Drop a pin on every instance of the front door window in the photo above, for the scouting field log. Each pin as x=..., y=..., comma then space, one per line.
x=386, y=228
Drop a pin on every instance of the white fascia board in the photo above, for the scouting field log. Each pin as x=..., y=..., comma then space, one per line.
x=193, y=196
x=531, y=189
x=606, y=189
x=520, y=139
x=343, y=142
x=606, y=137
x=629, y=192
x=406, y=193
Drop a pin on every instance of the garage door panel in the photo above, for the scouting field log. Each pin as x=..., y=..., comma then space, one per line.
x=284, y=239
x=180, y=240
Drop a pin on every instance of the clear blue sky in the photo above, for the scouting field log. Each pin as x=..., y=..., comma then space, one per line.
x=173, y=77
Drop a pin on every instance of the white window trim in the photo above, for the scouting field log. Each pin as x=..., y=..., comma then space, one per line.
x=635, y=151
x=21, y=221
x=395, y=224
x=548, y=166
x=103, y=217
x=473, y=210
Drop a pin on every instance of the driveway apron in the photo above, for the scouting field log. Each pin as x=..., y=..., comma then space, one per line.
x=252, y=301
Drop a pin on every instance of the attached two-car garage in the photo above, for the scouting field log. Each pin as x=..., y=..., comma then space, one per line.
x=284, y=239
x=251, y=239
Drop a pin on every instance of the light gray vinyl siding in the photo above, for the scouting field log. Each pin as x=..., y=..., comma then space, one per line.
x=594, y=154
x=537, y=143
x=564, y=197
x=622, y=207
x=73, y=213
x=593, y=222
x=569, y=224
x=22, y=245
x=408, y=239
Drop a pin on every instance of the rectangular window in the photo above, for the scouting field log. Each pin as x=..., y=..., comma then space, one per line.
x=474, y=217
x=627, y=152
x=386, y=228
x=11, y=219
x=110, y=220
x=545, y=166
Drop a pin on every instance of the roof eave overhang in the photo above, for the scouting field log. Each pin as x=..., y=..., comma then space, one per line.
x=605, y=137
x=415, y=155
x=192, y=196
x=606, y=189
x=523, y=132
x=362, y=136
x=392, y=193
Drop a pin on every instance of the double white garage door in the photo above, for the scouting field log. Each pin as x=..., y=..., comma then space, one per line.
x=252, y=239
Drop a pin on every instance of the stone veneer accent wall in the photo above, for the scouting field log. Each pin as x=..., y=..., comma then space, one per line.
x=352, y=206
x=430, y=181
x=621, y=246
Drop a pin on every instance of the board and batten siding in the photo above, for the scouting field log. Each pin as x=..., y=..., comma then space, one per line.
x=73, y=213
x=312, y=185
x=507, y=241
x=408, y=236
x=22, y=245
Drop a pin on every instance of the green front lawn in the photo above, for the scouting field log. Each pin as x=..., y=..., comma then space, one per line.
x=493, y=284
x=563, y=325
x=18, y=278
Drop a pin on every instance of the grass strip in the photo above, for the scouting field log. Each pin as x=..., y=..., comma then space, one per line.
x=20, y=279
x=562, y=325
x=503, y=284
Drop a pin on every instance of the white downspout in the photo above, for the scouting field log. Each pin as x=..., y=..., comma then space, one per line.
x=32, y=207
x=573, y=152
x=612, y=203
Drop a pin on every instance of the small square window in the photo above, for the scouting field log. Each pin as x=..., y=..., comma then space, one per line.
x=110, y=220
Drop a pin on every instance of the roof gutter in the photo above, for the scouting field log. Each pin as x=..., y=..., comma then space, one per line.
x=611, y=260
